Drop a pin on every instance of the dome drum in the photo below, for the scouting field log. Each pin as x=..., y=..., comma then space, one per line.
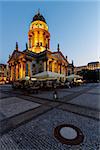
x=38, y=35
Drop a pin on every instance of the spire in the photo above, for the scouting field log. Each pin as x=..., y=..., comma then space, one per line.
x=58, y=48
x=9, y=56
x=16, y=46
x=26, y=46
x=72, y=63
x=72, y=67
x=38, y=11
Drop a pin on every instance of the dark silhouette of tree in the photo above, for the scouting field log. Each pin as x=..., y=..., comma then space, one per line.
x=90, y=75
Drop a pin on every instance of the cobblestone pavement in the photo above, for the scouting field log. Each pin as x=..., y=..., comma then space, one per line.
x=34, y=129
x=49, y=94
x=39, y=133
x=64, y=94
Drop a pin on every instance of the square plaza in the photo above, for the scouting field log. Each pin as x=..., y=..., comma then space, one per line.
x=42, y=116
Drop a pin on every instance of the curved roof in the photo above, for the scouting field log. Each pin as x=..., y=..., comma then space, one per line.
x=38, y=16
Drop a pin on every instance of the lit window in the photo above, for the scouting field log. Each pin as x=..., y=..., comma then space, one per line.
x=40, y=43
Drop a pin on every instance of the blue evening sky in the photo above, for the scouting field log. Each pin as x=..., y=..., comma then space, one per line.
x=72, y=24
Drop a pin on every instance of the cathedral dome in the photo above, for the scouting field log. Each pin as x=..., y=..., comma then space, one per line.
x=38, y=16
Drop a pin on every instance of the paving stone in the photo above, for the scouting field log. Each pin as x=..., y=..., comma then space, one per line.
x=95, y=91
x=81, y=110
x=39, y=133
x=88, y=100
x=2, y=116
x=13, y=105
x=3, y=95
x=49, y=94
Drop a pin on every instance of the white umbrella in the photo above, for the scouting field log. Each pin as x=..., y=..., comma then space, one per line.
x=73, y=76
x=48, y=74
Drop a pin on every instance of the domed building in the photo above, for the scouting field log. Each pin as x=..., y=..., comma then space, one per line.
x=37, y=58
x=38, y=35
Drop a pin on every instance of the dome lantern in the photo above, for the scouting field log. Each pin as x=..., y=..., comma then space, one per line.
x=38, y=16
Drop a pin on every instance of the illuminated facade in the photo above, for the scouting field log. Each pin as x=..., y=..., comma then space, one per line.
x=37, y=57
x=3, y=72
x=38, y=35
x=93, y=65
x=90, y=66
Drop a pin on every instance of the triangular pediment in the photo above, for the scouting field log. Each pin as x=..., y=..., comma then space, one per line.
x=59, y=55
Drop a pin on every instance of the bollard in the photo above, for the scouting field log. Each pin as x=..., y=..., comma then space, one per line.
x=55, y=95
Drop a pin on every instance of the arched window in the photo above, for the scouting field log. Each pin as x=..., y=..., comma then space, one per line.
x=40, y=43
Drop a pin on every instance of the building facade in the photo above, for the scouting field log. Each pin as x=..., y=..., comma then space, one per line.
x=90, y=66
x=37, y=57
x=93, y=65
x=3, y=72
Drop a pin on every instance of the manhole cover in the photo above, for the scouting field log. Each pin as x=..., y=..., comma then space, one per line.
x=68, y=134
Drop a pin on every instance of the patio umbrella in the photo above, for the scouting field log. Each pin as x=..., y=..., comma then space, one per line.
x=48, y=74
x=72, y=77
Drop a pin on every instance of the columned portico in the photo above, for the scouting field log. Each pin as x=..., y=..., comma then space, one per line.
x=37, y=57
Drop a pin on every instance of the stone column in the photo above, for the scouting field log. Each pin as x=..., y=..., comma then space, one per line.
x=29, y=69
x=47, y=65
x=24, y=69
x=20, y=70
x=11, y=72
x=17, y=72
x=44, y=65
x=53, y=65
x=60, y=69
x=57, y=67
x=48, y=43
